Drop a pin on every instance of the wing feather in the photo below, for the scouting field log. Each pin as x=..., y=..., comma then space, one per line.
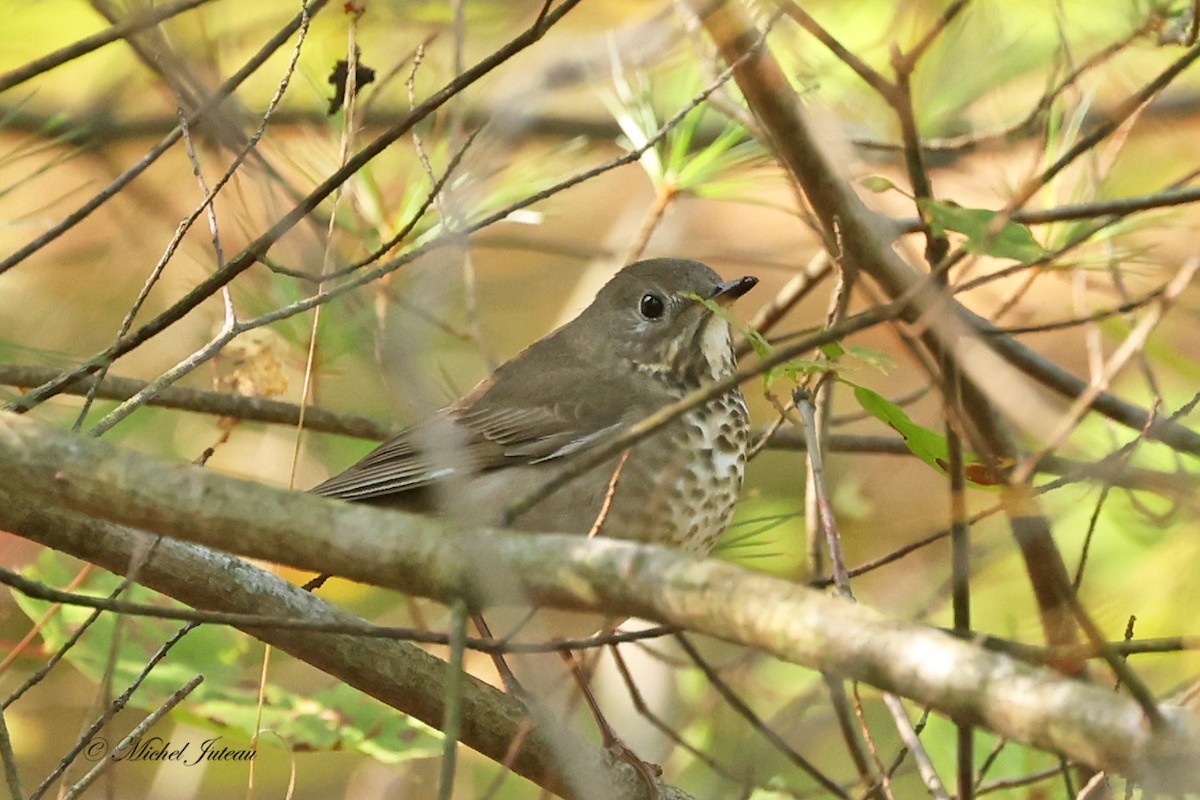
x=452, y=443
x=516, y=416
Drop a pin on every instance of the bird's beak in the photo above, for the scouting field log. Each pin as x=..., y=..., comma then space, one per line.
x=728, y=291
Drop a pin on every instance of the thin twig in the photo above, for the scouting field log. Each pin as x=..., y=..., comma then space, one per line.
x=841, y=582
x=122, y=746
x=609, y=494
x=1132, y=344
x=136, y=22
x=912, y=742
x=643, y=708
x=909, y=60
x=662, y=201
x=248, y=257
x=828, y=523
x=864, y=71
x=11, y=776
x=127, y=177
x=1016, y=783
x=349, y=104
x=204, y=401
x=114, y=707
x=884, y=782
x=453, y=712
x=485, y=644
x=523, y=730
x=731, y=697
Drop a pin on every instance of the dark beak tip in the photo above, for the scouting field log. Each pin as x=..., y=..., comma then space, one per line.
x=747, y=283
x=728, y=291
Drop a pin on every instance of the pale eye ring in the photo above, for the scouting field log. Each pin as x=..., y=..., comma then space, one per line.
x=651, y=306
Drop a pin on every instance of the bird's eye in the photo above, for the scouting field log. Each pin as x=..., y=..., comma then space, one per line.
x=651, y=306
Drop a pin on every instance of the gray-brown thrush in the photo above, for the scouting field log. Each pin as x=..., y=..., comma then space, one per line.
x=641, y=344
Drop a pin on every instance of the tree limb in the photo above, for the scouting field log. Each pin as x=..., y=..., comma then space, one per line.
x=397, y=673
x=49, y=472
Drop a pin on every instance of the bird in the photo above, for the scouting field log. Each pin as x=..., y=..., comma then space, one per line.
x=644, y=342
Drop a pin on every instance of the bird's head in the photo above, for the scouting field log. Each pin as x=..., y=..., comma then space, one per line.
x=648, y=315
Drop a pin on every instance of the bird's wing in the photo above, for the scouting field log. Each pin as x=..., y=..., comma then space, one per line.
x=545, y=403
x=463, y=439
x=403, y=463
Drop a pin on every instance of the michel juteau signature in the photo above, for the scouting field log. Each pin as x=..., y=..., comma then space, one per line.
x=156, y=748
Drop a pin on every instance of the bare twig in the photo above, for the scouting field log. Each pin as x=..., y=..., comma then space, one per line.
x=828, y=524
x=135, y=23
x=117, y=704
x=452, y=721
x=204, y=401
x=609, y=494
x=643, y=708
x=766, y=731
x=177, y=697
x=917, y=750
x=11, y=776
x=1133, y=343
x=248, y=257
x=125, y=178
x=486, y=644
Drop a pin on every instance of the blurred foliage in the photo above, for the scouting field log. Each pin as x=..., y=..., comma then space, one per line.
x=337, y=717
x=604, y=83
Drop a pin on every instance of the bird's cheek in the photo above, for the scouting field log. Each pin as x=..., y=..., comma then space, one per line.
x=640, y=329
x=637, y=340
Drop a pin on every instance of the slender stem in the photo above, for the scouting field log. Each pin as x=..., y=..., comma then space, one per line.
x=11, y=776
x=453, y=713
x=139, y=730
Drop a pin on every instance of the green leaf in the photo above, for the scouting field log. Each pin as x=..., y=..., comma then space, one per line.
x=675, y=164
x=1014, y=240
x=794, y=369
x=832, y=350
x=925, y=444
x=758, y=342
x=337, y=718
x=878, y=184
x=872, y=357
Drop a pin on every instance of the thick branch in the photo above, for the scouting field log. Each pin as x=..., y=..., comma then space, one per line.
x=50, y=469
x=397, y=673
